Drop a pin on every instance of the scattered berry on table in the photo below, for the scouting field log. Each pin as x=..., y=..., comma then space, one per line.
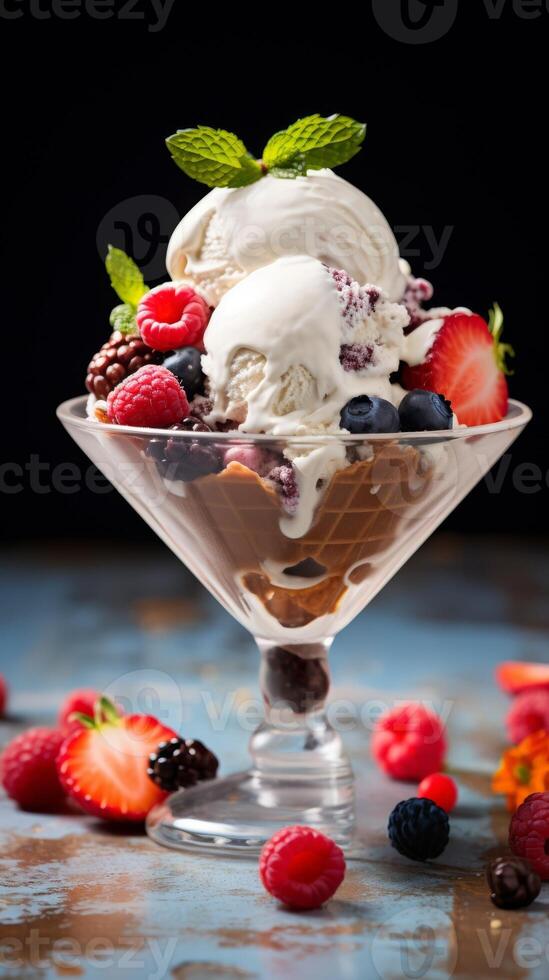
x=3, y=696
x=421, y=411
x=103, y=767
x=366, y=415
x=151, y=397
x=82, y=701
x=171, y=316
x=181, y=762
x=301, y=867
x=28, y=770
x=528, y=713
x=409, y=742
x=467, y=365
x=529, y=833
x=121, y=356
x=419, y=829
x=512, y=883
x=514, y=676
x=439, y=788
x=186, y=365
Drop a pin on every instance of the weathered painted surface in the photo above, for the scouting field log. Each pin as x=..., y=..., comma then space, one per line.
x=80, y=899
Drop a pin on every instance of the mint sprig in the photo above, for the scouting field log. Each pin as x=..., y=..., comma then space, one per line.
x=214, y=157
x=314, y=142
x=502, y=351
x=218, y=158
x=125, y=276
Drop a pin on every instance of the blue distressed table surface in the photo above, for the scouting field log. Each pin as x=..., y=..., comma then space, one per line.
x=78, y=898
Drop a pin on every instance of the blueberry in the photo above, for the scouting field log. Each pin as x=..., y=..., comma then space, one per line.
x=425, y=410
x=364, y=414
x=186, y=365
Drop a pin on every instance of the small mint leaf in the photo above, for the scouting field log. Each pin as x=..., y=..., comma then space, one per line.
x=314, y=142
x=125, y=276
x=122, y=318
x=214, y=157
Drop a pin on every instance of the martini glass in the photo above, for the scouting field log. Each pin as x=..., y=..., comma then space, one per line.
x=292, y=593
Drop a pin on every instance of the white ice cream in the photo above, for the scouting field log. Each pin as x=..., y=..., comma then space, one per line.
x=275, y=346
x=232, y=232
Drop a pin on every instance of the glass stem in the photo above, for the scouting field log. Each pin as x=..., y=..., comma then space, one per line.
x=296, y=740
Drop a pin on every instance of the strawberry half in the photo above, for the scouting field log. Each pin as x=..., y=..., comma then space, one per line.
x=466, y=364
x=515, y=676
x=103, y=766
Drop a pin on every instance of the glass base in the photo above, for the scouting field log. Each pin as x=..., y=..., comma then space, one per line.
x=240, y=812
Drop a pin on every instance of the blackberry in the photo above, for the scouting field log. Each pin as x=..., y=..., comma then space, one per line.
x=419, y=829
x=120, y=356
x=179, y=459
x=300, y=682
x=512, y=882
x=180, y=763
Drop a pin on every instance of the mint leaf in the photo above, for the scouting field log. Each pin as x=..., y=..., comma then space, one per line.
x=312, y=143
x=122, y=318
x=125, y=276
x=214, y=157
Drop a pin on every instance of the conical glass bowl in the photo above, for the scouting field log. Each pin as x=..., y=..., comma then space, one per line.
x=234, y=530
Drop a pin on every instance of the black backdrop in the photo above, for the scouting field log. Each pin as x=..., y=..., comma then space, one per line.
x=456, y=149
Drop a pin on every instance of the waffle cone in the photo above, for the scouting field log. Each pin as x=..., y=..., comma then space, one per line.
x=357, y=518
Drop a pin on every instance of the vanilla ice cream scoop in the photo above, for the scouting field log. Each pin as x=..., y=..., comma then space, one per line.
x=293, y=342
x=232, y=232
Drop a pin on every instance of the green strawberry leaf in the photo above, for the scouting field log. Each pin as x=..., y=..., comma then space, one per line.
x=125, y=276
x=502, y=351
x=122, y=318
x=312, y=143
x=214, y=157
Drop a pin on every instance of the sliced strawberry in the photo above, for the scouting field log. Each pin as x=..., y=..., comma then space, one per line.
x=514, y=676
x=103, y=766
x=466, y=364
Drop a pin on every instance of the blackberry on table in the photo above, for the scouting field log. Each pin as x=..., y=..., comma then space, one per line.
x=180, y=763
x=419, y=829
x=512, y=882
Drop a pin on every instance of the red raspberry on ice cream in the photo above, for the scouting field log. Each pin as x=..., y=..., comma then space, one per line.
x=529, y=833
x=151, y=397
x=172, y=315
x=409, y=742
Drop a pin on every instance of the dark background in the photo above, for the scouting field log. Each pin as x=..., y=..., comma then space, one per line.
x=456, y=137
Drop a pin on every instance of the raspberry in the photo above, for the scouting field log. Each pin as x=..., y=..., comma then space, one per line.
x=409, y=742
x=529, y=833
x=82, y=701
x=171, y=316
x=150, y=397
x=529, y=712
x=439, y=788
x=419, y=829
x=28, y=770
x=355, y=357
x=301, y=867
